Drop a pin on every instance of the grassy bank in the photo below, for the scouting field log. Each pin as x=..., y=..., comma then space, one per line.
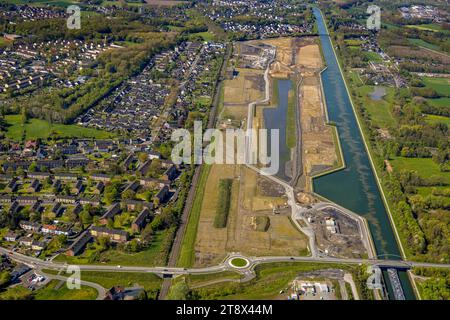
x=187, y=256
x=291, y=123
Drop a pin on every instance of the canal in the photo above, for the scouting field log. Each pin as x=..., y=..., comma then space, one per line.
x=355, y=186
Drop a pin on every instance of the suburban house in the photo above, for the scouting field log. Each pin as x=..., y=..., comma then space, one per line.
x=110, y=213
x=30, y=226
x=161, y=196
x=79, y=244
x=140, y=221
x=113, y=234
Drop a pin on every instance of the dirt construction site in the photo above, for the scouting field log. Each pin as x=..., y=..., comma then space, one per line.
x=259, y=221
x=301, y=61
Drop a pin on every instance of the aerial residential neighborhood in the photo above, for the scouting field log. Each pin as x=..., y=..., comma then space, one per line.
x=279, y=151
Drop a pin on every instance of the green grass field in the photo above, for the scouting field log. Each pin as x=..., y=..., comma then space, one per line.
x=206, y=36
x=270, y=279
x=354, y=42
x=36, y=128
x=54, y=291
x=4, y=42
x=198, y=279
x=437, y=119
x=49, y=292
x=291, y=123
x=440, y=85
x=187, y=257
x=426, y=191
x=428, y=27
x=373, y=56
x=421, y=43
x=107, y=280
x=355, y=78
x=379, y=110
x=155, y=255
x=440, y=102
x=17, y=292
x=426, y=167
x=60, y=3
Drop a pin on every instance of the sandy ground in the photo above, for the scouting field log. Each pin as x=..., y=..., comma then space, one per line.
x=244, y=88
x=241, y=235
x=251, y=201
x=318, y=150
x=309, y=57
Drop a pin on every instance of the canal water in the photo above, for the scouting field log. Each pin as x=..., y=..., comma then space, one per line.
x=275, y=118
x=354, y=187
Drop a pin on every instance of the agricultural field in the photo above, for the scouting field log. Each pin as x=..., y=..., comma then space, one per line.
x=430, y=118
x=440, y=85
x=60, y=3
x=36, y=128
x=426, y=167
x=248, y=86
x=169, y=3
x=242, y=233
x=210, y=244
x=428, y=27
x=440, y=102
x=422, y=43
x=205, y=36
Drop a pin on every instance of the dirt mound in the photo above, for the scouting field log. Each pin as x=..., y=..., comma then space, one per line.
x=279, y=70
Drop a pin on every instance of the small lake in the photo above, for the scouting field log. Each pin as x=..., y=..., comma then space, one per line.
x=378, y=93
x=275, y=118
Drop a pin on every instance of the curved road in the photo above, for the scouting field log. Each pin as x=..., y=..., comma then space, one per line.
x=38, y=263
x=101, y=292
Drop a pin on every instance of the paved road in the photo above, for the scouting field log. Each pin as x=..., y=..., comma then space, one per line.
x=101, y=292
x=254, y=261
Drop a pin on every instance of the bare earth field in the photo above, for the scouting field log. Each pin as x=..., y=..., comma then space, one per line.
x=246, y=87
x=253, y=228
x=318, y=150
x=259, y=219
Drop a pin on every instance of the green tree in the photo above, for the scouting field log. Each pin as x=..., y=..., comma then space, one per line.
x=179, y=291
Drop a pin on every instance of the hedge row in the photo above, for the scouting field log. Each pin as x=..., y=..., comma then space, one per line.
x=223, y=203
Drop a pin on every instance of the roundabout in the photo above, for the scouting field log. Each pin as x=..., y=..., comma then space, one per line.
x=239, y=262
